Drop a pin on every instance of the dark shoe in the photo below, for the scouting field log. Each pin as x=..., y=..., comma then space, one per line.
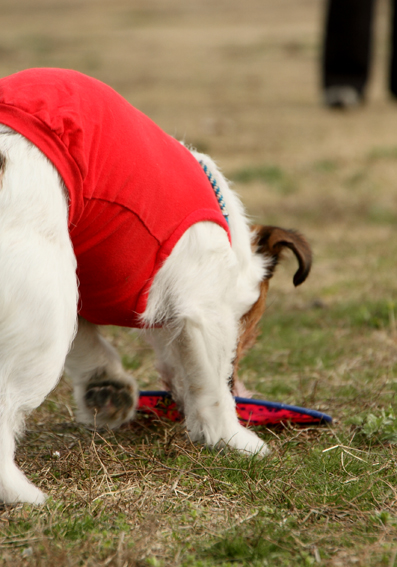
x=342, y=96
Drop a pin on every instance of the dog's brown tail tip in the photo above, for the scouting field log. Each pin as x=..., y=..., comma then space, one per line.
x=301, y=248
x=301, y=274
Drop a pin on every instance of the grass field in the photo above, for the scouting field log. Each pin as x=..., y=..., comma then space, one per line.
x=239, y=80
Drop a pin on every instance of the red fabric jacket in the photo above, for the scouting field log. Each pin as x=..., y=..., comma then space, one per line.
x=133, y=189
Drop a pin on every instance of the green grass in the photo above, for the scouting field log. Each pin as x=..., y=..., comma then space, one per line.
x=272, y=175
x=146, y=496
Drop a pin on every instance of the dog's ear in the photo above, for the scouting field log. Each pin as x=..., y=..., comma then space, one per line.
x=272, y=241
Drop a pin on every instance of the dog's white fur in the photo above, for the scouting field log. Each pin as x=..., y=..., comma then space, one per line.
x=198, y=297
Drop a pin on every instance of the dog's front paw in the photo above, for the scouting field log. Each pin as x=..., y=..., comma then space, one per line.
x=247, y=442
x=109, y=401
x=231, y=434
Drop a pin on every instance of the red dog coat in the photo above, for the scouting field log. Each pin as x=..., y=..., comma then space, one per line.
x=133, y=190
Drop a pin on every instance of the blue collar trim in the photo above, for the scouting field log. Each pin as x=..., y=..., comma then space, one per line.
x=217, y=191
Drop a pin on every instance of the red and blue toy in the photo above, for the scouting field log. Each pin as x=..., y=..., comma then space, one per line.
x=249, y=411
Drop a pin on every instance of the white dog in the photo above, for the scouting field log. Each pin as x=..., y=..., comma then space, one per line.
x=198, y=296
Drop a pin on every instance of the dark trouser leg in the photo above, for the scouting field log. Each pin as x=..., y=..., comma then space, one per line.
x=393, y=54
x=347, y=44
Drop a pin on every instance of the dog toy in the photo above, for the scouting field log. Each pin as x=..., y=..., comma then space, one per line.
x=249, y=411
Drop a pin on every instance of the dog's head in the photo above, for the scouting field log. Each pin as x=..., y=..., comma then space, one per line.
x=271, y=242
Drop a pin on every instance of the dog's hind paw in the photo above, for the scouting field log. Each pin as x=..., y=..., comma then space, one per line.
x=109, y=401
x=15, y=487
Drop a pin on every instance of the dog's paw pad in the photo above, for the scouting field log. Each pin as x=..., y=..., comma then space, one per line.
x=111, y=401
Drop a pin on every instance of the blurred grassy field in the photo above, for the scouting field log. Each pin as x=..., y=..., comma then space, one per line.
x=239, y=80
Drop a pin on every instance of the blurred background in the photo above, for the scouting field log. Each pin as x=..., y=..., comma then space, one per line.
x=242, y=81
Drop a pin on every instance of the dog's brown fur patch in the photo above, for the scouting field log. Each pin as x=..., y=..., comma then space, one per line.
x=249, y=327
x=270, y=241
x=3, y=162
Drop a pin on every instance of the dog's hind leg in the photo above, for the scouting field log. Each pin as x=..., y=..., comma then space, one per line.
x=194, y=294
x=38, y=298
x=105, y=393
